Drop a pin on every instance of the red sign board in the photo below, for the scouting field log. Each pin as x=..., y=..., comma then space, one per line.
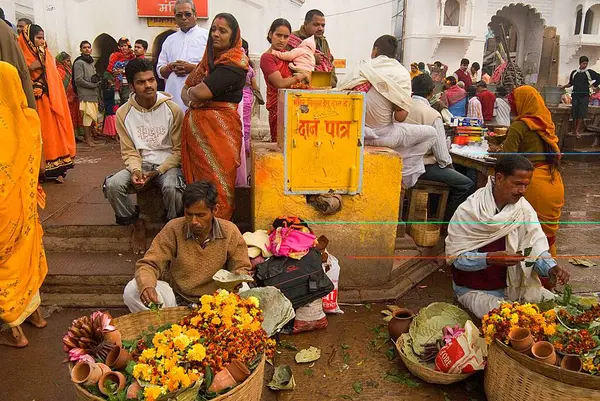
x=166, y=8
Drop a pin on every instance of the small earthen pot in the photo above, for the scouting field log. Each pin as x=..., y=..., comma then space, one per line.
x=86, y=373
x=133, y=390
x=543, y=351
x=571, y=362
x=114, y=337
x=118, y=358
x=116, y=377
x=104, y=368
x=520, y=339
x=221, y=381
x=238, y=370
x=401, y=320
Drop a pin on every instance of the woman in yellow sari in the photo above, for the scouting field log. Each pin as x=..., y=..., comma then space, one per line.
x=23, y=264
x=533, y=133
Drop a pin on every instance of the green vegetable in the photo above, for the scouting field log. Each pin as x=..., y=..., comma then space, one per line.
x=357, y=387
x=427, y=326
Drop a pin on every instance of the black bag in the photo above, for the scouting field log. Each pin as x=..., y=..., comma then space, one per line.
x=301, y=281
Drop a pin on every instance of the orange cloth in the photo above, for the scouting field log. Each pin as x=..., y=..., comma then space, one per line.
x=532, y=110
x=53, y=109
x=23, y=264
x=211, y=139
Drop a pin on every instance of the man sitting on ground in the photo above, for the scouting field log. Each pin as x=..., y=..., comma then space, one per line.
x=149, y=127
x=490, y=237
x=438, y=162
x=189, y=250
x=387, y=110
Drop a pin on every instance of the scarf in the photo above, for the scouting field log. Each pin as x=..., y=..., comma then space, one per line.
x=232, y=57
x=61, y=62
x=532, y=110
x=477, y=223
x=40, y=84
x=454, y=94
x=387, y=76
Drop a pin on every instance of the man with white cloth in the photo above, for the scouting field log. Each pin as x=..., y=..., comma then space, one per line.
x=388, y=101
x=496, y=245
x=181, y=51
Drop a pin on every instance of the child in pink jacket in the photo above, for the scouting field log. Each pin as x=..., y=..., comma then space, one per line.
x=302, y=58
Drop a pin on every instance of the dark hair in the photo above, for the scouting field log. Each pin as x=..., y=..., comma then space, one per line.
x=421, y=65
x=423, y=85
x=235, y=29
x=245, y=46
x=34, y=30
x=508, y=165
x=464, y=61
x=2, y=15
x=27, y=21
x=451, y=80
x=312, y=13
x=476, y=66
x=204, y=191
x=472, y=91
x=143, y=43
x=276, y=24
x=481, y=84
x=438, y=64
x=387, y=45
x=135, y=66
x=583, y=59
x=123, y=41
x=501, y=91
x=84, y=42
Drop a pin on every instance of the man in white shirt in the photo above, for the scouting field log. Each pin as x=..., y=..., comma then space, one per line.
x=182, y=51
x=438, y=162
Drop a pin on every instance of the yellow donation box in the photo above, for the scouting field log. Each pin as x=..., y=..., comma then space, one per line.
x=322, y=135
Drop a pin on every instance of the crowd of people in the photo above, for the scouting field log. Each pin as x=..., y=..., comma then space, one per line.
x=192, y=139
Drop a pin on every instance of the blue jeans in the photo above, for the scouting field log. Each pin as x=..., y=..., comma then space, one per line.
x=118, y=187
x=461, y=187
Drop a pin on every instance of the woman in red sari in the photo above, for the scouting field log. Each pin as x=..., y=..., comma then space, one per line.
x=212, y=129
x=64, y=66
x=277, y=72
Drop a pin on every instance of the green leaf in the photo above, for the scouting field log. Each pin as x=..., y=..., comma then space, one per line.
x=346, y=358
x=357, y=387
x=391, y=353
x=368, y=306
x=309, y=372
x=346, y=397
x=129, y=368
x=208, y=376
x=287, y=345
x=345, y=346
x=427, y=327
x=527, y=251
x=401, y=378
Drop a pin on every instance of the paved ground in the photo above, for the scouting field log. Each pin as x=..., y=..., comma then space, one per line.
x=36, y=373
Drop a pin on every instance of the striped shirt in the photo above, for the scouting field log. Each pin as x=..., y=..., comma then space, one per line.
x=474, y=109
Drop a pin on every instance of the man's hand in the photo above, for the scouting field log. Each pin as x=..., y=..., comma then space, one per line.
x=149, y=295
x=137, y=179
x=504, y=259
x=559, y=274
x=150, y=176
x=183, y=68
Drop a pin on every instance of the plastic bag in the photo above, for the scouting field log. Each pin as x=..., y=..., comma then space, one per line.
x=332, y=269
x=310, y=317
x=464, y=354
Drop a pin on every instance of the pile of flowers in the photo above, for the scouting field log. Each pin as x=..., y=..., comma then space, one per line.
x=499, y=322
x=574, y=342
x=591, y=364
x=581, y=320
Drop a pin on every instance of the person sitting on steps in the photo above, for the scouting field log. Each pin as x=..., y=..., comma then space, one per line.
x=149, y=127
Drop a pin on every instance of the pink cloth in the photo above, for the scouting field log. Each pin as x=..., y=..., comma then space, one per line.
x=248, y=103
x=241, y=178
x=110, y=125
x=290, y=242
x=302, y=57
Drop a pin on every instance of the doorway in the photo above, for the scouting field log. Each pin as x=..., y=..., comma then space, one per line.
x=104, y=45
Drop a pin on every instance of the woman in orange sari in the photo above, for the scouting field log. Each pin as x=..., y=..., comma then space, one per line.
x=22, y=260
x=52, y=106
x=212, y=129
x=533, y=133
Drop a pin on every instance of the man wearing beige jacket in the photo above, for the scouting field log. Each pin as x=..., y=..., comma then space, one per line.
x=149, y=127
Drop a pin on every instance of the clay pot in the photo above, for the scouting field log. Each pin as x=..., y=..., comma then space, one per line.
x=118, y=358
x=133, y=390
x=115, y=377
x=104, y=368
x=571, y=362
x=520, y=339
x=543, y=351
x=221, y=381
x=238, y=370
x=401, y=320
x=86, y=373
x=114, y=337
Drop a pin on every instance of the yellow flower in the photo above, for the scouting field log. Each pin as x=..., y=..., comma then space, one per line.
x=254, y=301
x=194, y=375
x=142, y=371
x=255, y=326
x=550, y=329
x=193, y=334
x=148, y=354
x=197, y=353
x=152, y=393
x=215, y=321
x=181, y=342
x=514, y=319
x=207, y=300
x=159, y=338
x=176, y=330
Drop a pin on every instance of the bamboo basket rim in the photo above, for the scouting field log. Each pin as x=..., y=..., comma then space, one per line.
x=426, y=374
x=423, y=235
x=127, y=322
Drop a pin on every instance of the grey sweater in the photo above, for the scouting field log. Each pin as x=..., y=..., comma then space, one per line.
x=87, y=91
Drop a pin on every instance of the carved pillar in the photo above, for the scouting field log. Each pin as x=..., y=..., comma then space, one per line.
x=442, y=11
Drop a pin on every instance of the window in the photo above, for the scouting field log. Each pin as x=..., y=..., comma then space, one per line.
x=452, y=13
x=578, y=19
x=589, y=19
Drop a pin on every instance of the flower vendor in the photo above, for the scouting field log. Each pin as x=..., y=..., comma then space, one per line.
x=189, y=250
x=496, y=245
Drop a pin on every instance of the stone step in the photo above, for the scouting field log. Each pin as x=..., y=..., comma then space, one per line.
x=83, y=300
x=587, y=139
x=589, y=154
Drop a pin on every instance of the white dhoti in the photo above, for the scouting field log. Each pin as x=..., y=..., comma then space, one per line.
x=131, y=296
x=410, y=141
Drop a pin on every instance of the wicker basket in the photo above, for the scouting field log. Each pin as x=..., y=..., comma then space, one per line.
x=425, y=234
x=426, y=374
x=507, y=379
x=134, y=324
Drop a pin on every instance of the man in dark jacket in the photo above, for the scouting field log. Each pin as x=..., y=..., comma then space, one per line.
x=581, y=80
x=86, y=84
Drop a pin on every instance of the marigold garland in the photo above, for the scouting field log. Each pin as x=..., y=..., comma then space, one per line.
x=499, y=322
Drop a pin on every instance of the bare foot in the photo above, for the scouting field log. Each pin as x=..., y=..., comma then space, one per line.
x=16, y=338
x=138, y=238
x=60, y=179
x=37, y=320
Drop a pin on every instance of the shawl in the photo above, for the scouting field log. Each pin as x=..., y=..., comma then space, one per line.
x=477, y=223
x=61, y=64
x=454, y=94
x=532, y=110
x=12, y=54
x=39, y=79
